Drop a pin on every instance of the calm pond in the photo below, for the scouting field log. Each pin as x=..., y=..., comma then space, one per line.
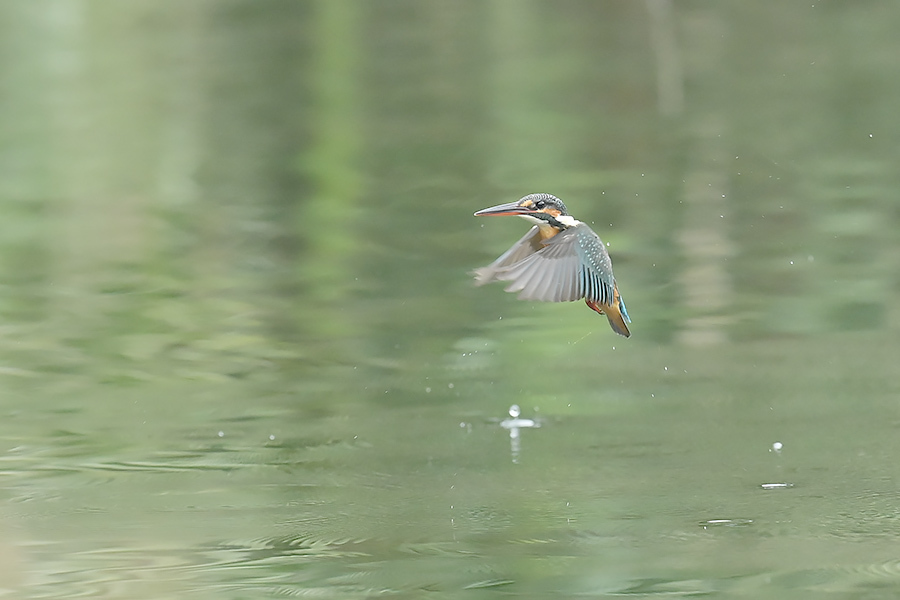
x=242, y=355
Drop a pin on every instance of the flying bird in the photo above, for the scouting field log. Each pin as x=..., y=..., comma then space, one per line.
x=560, y=259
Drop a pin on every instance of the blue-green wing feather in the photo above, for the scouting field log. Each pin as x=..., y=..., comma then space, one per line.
x=572, y=265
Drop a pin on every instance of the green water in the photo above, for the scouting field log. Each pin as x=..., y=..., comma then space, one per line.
x=241, y=355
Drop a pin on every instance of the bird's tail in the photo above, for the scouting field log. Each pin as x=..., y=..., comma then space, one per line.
x=618, y=322
x=623, y=310
x=618, y=317
x=616, y=313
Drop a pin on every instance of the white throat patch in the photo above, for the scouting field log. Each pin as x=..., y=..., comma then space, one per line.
x=568, y=220
x=531, y=219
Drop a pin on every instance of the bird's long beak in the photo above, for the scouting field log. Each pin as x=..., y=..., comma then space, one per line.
x=511, y=208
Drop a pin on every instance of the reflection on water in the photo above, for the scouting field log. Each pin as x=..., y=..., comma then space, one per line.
x=242, y=355
x=515, y=424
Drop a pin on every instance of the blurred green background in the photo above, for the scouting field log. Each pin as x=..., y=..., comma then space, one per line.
x=241, y=351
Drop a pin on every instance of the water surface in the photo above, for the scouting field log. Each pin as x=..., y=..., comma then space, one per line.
x=242, y=356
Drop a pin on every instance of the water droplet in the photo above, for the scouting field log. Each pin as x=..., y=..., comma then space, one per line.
x=726, y=523
x=776, y=486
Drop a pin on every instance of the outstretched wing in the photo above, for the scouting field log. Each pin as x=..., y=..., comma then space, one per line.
x=598, y=282
x=571, y=265
x=525, y=247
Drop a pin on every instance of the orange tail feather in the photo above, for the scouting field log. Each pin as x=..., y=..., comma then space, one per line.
x=612, y=312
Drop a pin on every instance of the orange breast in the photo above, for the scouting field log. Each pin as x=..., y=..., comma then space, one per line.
x=547, y=231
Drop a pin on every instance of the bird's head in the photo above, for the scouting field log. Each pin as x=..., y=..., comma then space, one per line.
x=541, y=208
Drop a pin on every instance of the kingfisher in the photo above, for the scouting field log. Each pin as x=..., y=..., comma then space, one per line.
x=560, y=259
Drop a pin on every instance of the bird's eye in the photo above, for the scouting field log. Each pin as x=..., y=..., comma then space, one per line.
x=539, y=204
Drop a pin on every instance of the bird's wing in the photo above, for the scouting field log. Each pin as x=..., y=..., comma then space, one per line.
x=573, y=264
x=598, y=280
x=527, y=246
